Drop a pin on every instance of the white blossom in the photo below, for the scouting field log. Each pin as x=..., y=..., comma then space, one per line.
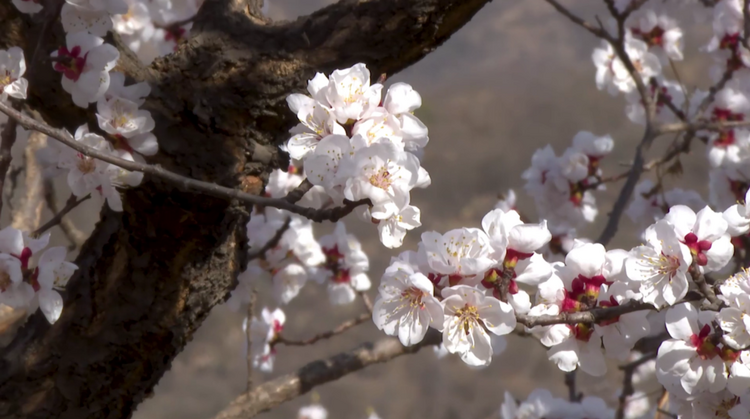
x=405, y=306
x=12, y=67
x=660, y=266
x=467, y=313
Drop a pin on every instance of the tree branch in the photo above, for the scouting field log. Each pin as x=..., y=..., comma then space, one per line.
x=290, y=386
x=596, y=31
x=343, y=327
x=73, y=202
x=212, y=189
x=68, y=227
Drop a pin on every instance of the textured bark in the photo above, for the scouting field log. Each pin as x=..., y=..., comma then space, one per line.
x=149, y=276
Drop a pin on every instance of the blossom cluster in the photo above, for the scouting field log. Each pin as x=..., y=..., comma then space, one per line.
x=335, y=260
x=562, y=185
x=30, y=276
x=357, y=145
x=86, y=63
x=150, y=28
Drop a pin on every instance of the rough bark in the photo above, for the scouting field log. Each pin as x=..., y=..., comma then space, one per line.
x=149, y=276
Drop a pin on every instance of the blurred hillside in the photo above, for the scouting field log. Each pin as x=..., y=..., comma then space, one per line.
x=516, y=78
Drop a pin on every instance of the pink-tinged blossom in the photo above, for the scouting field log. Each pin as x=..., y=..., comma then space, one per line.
x=468, y=312
x=264, y=331
x=660, y=32
x=513, y=249
x=21, y=245
x=345, y=267
x=611, y=73
x=691, y=362
x=406, y=306
x=586, y=271
x=666, y=92
x=85, y=62
x=704, y=233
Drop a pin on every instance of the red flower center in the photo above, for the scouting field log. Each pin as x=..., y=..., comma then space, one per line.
x=698, y=248
x=71, y=63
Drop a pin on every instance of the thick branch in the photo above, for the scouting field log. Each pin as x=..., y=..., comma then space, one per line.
x=290, y=386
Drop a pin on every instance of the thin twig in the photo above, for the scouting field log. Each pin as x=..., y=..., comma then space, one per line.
x=73, y=202
x=208, y=188
x=627, y=382
x=271, y=243
x=598, y=32
x=69, y=229
x=51, y=12
x=343, y=327
x=297, y=193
